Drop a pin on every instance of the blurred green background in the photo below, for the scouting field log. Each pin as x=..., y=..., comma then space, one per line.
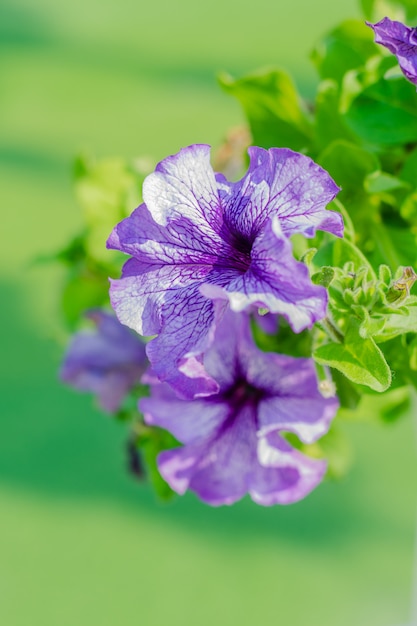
x=80, y=541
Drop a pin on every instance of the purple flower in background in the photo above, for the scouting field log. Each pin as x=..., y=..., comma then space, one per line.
x=233, y=441
x=401, y=40
x=108, y=361
x=198, y=237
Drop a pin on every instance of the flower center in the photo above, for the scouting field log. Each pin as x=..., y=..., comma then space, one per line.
x=241, y=247
x=242, y=393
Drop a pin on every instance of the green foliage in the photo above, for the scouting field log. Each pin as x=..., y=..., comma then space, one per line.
x=83, y=290
x=150, y=442
x=384, y=113
x=106, y=190
x=350, y=165
x=275, y=112
x=357, y=358
x=345, y=48
x=330, y=124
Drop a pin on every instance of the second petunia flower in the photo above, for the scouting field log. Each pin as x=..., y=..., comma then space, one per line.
x=233, y=441
x=401, y=40
x=200, y=244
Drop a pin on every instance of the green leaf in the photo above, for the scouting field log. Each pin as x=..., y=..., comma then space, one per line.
x=380, y=182
x=409, y=169
x=404, y=241
x=345, y=251
x=413, y=354
x=345, y=48
x=408, y=208
x=396, y=324
x=397, y=403
x=273, y=108
x=385, y=113
x=348, y=393
x=338, y=253
x=356, y=81
x=81, y=292
x=324, y=277
x=358, y=359
x=350, y=166
x=370, y=326
x=151, y=441
x=308, y=256
x=397, y=353
x=108, y=192
x=330, y=124
x=385, y=274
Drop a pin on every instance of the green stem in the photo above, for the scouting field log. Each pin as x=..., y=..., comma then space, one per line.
x=331, y=329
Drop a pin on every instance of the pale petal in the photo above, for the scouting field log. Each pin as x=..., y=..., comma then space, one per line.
x=308, y=417
x=283, y=475
x=139, y=295
x=184, y=185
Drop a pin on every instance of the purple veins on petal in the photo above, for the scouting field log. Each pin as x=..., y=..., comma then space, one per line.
x=232, y=441
x=276, y=281
x=282, y=183
x=197, y=235
x=108, y=361
x=401, y=40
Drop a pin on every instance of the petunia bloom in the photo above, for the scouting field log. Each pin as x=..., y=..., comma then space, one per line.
x=233, y=441
x=401, y=40
x=108, y=361
x=198, y=237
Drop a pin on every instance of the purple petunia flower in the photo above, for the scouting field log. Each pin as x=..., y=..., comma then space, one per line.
x=401, y=40
x=107, y=362
x=198, y=237
x=233, y=441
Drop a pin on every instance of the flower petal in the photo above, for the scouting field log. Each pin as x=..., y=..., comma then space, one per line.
x=184, y=185
x=283, y=183
x=222, y=468
x=283, y=475
x=179, y=241
x=188, y=323
x=139, y=295
x=187, y=421
x=276, y=281
x=107, y=362
x=292, y=400
x=217, y=469
x=308, y=417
